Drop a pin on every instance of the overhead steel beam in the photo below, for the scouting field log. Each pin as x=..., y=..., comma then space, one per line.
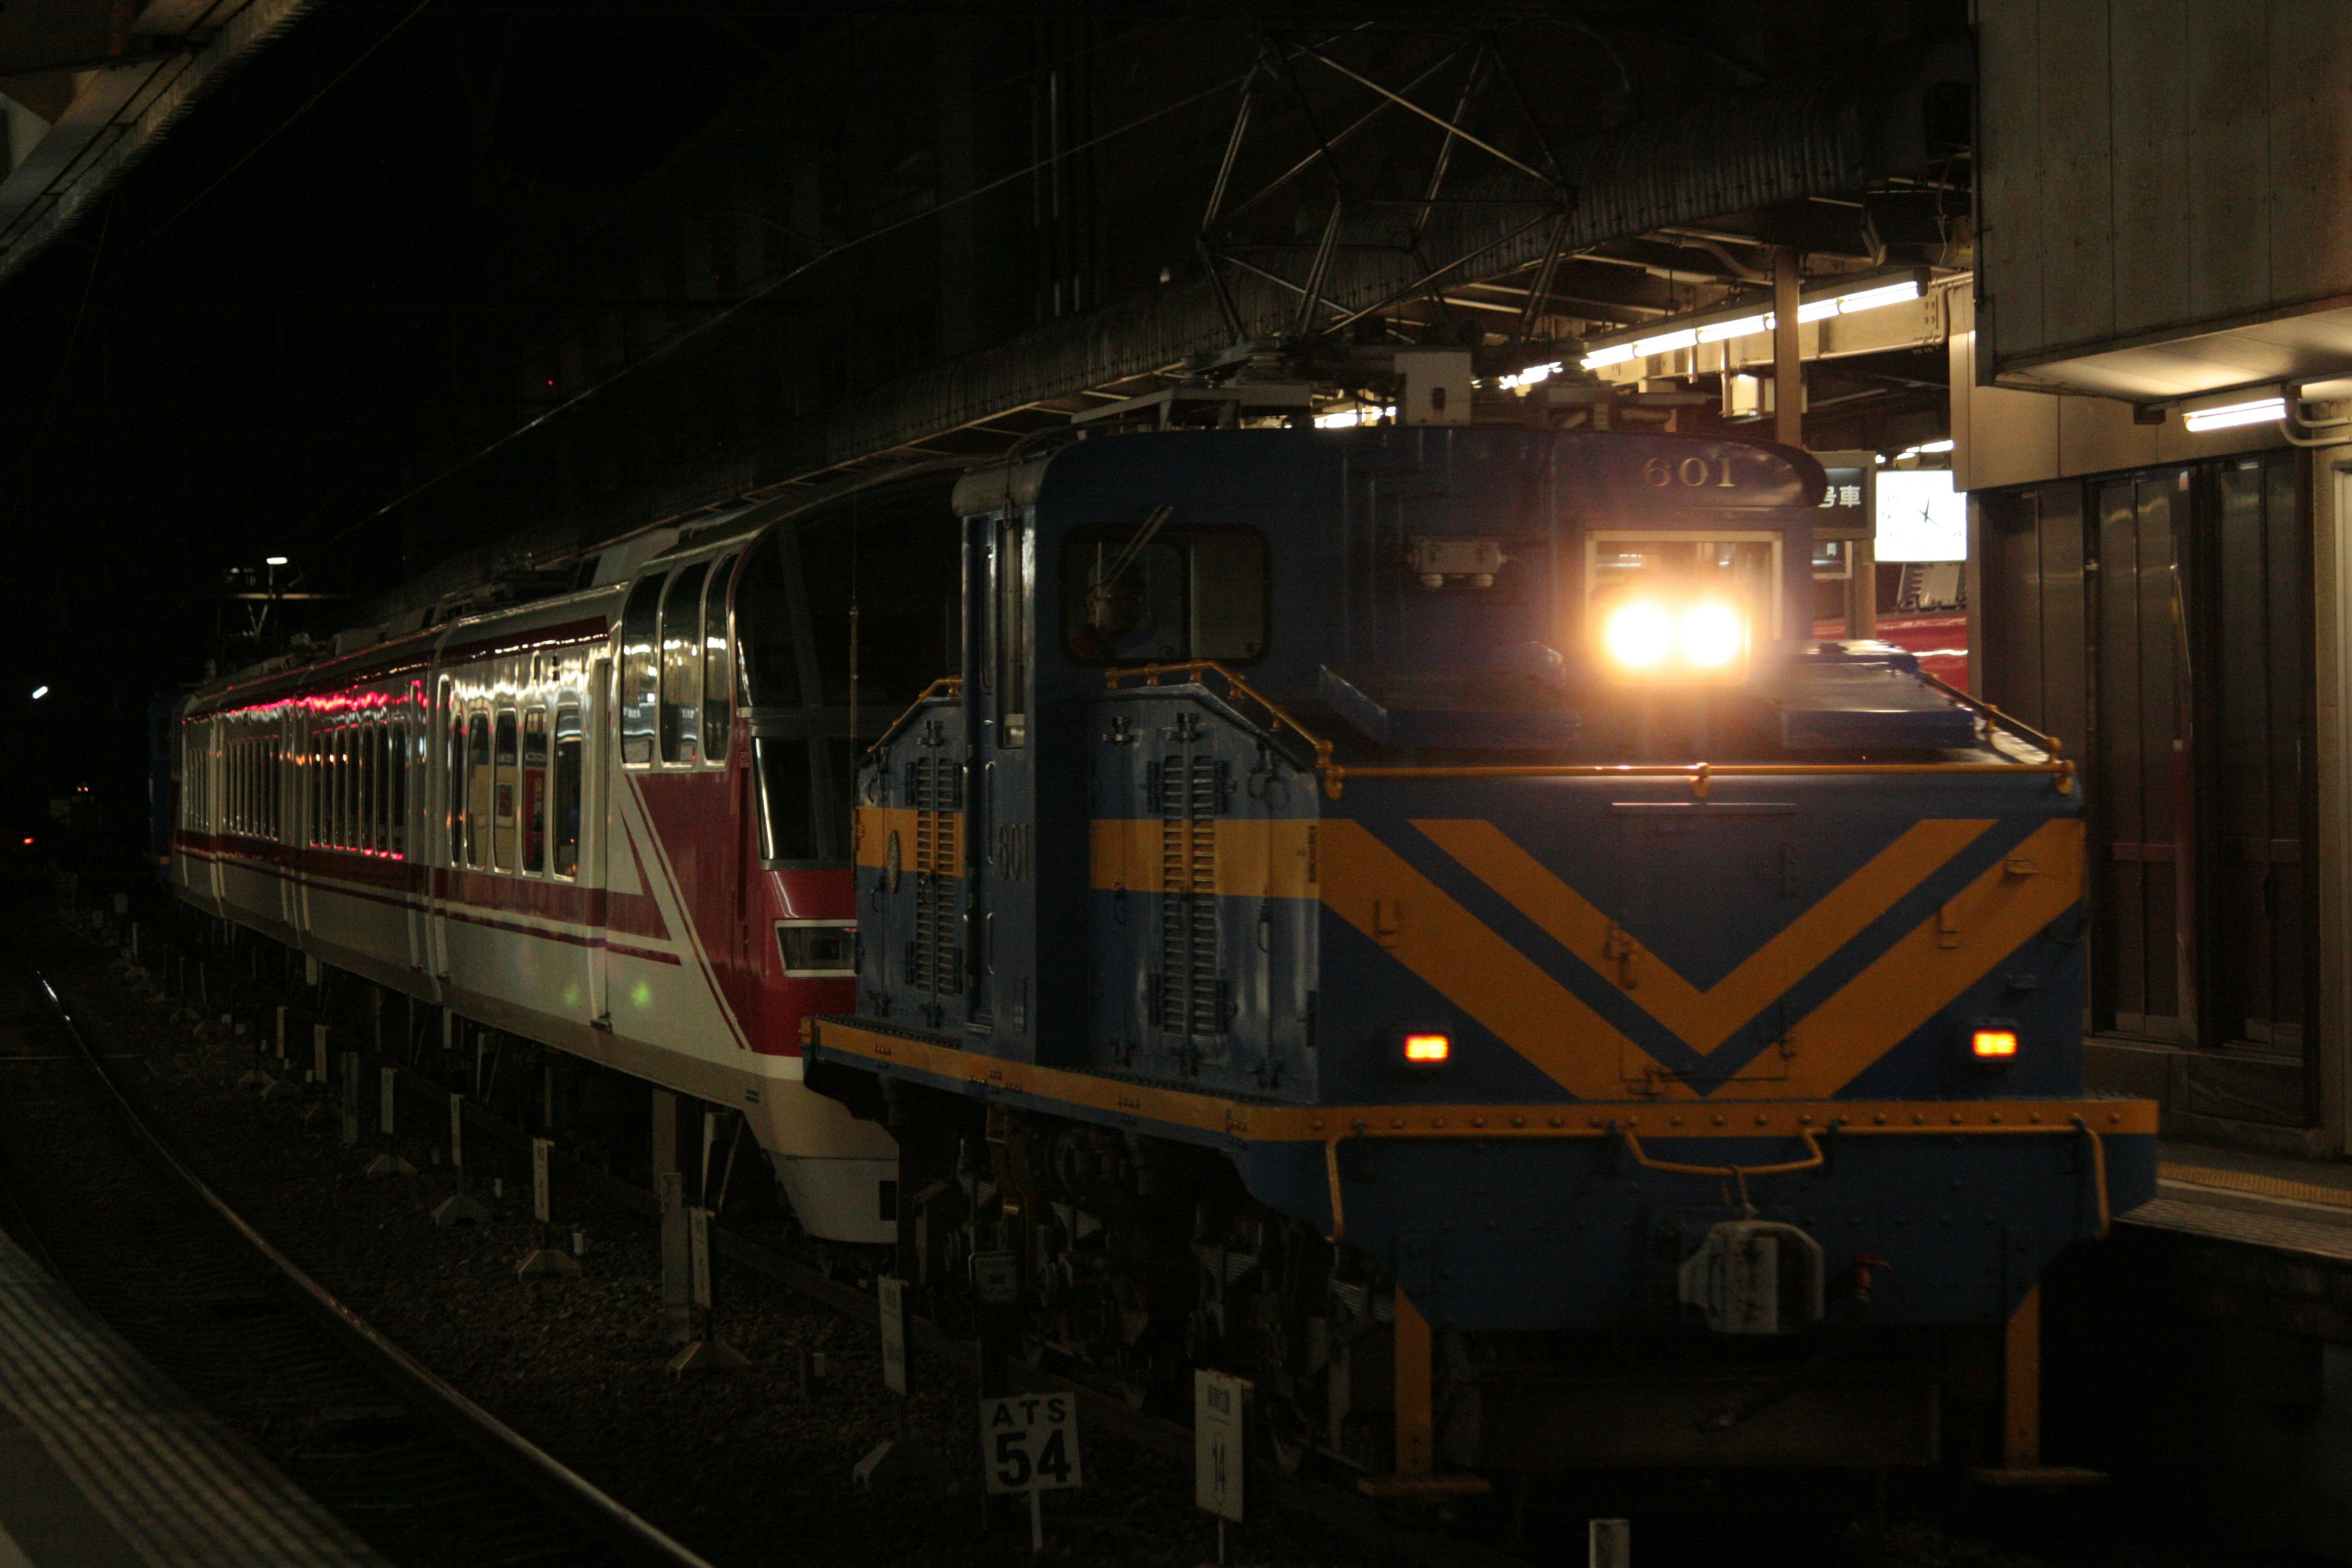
x=120, y=112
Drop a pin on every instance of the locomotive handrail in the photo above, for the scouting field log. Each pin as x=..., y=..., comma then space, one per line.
x=945, y=686
x=2049, y=744
x=1739, y=1173
x=1700, y=774
x=1193, y=669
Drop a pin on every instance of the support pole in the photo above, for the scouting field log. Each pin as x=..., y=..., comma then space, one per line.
x=1788, y=370
x=2021, y=1410
x=1415, y=1425
x=1416, y=1473
x=2020, y=1386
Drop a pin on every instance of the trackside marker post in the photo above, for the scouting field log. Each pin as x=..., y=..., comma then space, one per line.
x=1220, y=1417
x=459, y=1207
x=1029, y=1443
x=542, y=1261
x=892, y=1295
x=707, y=1351
x=319, y=1053
x=1609, y=1543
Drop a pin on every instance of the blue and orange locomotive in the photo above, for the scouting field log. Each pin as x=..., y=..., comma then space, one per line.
x=1410, y=916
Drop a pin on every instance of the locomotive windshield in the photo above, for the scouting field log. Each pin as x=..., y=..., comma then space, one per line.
x=1162, y=594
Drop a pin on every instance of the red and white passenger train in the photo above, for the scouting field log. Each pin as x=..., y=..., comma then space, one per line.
x=612, y=821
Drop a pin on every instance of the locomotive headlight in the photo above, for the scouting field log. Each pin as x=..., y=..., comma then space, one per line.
x=1712, y=634
x=1638, y=635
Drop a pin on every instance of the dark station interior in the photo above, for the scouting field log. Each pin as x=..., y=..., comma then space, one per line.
x=1564, y=781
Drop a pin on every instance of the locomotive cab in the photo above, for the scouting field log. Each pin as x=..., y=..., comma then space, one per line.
x=1437, y=866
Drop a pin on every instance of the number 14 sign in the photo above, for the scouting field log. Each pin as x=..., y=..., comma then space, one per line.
x=1030, y=1442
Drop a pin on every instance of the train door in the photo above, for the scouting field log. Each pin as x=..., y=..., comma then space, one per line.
x=598, y=765
x=997, y=843
x=444, y=742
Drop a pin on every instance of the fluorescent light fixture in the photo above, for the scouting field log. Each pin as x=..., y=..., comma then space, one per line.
x=2258, y=412
x=273, y=561
x=1535, y=375
x=39, y=693
x=1815, y=310
x=1716, y=331
x=1924, y=446
x=1347, y=417
x=1667, y=343
x=1615, y=353
x=1872, y=299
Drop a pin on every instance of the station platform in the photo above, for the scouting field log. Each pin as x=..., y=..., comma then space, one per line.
x=104, y=1464
x=2245, y=1239
x=2225, y=1196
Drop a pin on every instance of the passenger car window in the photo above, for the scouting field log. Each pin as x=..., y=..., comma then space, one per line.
x=681, y=667
x=718, y=666
x=477, y=790
x=534, y=790
x=641, y=669
x=1165, y=594
x=507, y=792
x=566, y=802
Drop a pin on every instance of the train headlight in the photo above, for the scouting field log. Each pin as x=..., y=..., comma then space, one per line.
x=1712, y=635
x=1664, y=639
x=1638, y=635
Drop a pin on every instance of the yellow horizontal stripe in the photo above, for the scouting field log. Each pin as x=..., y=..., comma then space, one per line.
x=1252, y=857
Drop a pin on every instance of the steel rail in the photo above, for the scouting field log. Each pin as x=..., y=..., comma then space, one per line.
x=537, y=1467
x=1333, y=1507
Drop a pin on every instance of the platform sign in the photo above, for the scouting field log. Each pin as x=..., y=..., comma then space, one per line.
x=893, y=1294
x=1219, y=1408
x=1029, y=1441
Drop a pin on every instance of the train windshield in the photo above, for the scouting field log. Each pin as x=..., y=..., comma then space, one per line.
x=1163, y=593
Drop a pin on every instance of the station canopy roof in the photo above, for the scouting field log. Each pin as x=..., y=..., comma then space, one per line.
x=88, y=86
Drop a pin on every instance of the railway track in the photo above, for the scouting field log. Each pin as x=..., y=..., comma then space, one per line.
x=1388, y=1534
x=424, y=1475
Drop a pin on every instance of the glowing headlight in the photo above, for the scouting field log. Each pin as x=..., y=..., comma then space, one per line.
x=1638, y=635
x=1711, y=635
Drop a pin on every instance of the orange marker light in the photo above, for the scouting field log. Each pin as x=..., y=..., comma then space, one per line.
x=1993, y=1044
x=1428, y=1051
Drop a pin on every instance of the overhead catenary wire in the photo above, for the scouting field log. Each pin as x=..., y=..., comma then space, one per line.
x=709, y=323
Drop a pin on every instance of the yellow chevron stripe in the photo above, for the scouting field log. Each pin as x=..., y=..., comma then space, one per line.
x=1950, y=950
x=1371, y=886
x=1703, y=1019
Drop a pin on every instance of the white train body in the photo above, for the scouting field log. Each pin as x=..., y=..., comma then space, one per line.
x=550, y=819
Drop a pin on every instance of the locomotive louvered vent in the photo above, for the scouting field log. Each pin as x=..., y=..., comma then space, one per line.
x=1188, y=991
x=934, y=962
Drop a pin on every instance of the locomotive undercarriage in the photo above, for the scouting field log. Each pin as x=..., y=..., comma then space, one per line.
x=1140, y=1258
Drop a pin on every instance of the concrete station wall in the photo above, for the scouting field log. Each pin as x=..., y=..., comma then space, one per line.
x=2152, y=170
